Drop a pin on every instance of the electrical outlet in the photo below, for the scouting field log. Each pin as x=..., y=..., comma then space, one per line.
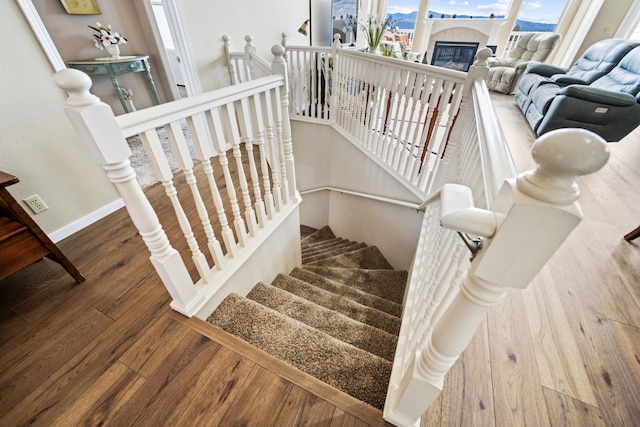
x=36, y=204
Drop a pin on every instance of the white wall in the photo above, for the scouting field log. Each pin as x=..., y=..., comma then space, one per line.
x=207, y=21
x=37, y=143
x=325, y=158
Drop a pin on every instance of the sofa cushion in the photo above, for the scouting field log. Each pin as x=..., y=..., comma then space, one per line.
x=600, y=58
x=624, y=77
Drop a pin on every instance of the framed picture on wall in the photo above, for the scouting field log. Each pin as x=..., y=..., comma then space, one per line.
x=81, y=7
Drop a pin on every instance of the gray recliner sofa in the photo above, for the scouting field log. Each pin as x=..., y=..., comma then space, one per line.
x=594, y=63
x=608, y=106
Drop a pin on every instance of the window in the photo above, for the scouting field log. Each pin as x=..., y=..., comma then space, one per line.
x=534, y=15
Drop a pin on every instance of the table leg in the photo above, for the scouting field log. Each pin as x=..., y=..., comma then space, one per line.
x=115, y=84
x=152, y=85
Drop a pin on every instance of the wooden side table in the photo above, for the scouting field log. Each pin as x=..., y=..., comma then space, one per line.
x=22, y=241
x=122, y=65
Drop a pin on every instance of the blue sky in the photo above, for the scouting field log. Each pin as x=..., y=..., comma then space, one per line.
x=547, y=11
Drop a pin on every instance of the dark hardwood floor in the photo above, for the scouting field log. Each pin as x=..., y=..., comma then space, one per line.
x=109, y=351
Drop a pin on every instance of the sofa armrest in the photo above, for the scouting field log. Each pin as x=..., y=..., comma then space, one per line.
x=564, y=80
x=498, y=62
x=598, y=95
x=545, y=70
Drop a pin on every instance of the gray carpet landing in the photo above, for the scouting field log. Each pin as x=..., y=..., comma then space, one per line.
x=337, y=318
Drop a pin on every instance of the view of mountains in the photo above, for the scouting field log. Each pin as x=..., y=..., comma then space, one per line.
x=408, y=21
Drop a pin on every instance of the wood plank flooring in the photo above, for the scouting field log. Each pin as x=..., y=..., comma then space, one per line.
x=566, y=351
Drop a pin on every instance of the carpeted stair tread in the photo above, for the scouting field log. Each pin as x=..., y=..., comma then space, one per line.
x=356, y=311
x=321, y=246
x=360, y=374
x=337, y=325
x=347, y=291
x=324, y=233
x=305, y=231
x=369, y=257
x=387, y=284
x=331, y=252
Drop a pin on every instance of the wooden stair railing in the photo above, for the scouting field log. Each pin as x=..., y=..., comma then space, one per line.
x=22, y=241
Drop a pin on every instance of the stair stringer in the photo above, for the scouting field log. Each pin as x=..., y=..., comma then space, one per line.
x=356, y=195
x=278, y=253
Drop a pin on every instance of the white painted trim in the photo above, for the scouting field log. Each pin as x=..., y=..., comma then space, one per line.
x=175, y=18
x=85, y=221
x=578, y=36
x=411, y=205
x=41, y=33
x=630, y=22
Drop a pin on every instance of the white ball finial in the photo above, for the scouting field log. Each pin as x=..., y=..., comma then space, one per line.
x=77, y=85
x=483, y=54
x=562, y=155
x=277, y=50
x=225, y=38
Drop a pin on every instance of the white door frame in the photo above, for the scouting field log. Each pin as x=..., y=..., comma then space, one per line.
x=175, y=17
x=38, y=28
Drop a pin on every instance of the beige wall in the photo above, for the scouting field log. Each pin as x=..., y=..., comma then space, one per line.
x=606, y=23
x=72, y=38
x=207, y=21
x=37, y=143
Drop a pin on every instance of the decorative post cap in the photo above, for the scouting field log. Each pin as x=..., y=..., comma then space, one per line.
x=278, y=52
x=483, y=54
x=77, y=85
x=562, y=155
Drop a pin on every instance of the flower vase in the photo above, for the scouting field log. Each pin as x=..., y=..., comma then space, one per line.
x=375, y=49
x=113, y=50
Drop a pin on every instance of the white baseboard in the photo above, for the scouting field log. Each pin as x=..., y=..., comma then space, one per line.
x=85, y=221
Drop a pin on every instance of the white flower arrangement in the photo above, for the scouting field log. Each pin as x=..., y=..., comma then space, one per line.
x=105, y=36
x=350, y=26
x=374, y=28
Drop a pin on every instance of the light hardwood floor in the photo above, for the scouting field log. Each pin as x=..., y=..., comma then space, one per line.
x=566, y=351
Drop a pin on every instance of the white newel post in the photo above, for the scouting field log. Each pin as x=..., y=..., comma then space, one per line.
x=279, y=66
x=478, y=71
x=232, y=66
x=333, y=100
x=94, y=121
x=249, y=53
x=531, y=217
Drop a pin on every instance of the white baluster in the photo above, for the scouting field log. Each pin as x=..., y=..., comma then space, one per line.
x=232, y=126
x=244, y=117
x=160, y=164
x=279, y=67
x=181, y=151
x=204, y=147
x=98, y=130
x=272, y=149
x=219, y=142
x=264, y=168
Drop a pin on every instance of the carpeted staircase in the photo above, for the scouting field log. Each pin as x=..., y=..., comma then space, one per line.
x=337, y=318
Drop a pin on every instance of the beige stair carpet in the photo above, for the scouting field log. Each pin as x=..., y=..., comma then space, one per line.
x=335, y=318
